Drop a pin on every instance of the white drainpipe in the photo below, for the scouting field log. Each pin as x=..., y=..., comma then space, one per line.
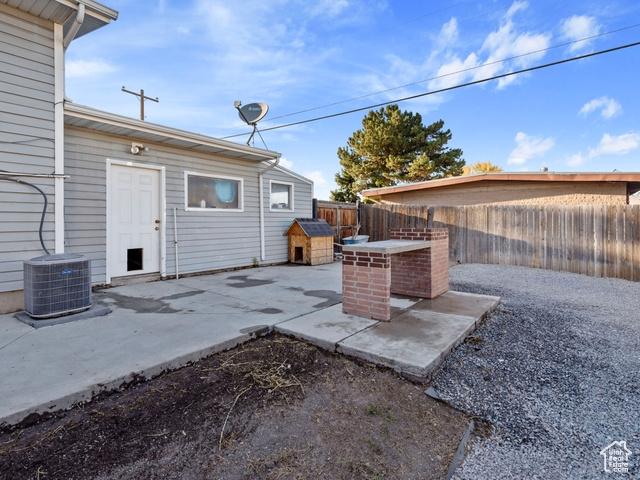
x=77, y=23
x=260, y=190
x=58, y=152
x=60, y=43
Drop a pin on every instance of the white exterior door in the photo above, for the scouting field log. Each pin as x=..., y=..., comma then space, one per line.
x=134, y=220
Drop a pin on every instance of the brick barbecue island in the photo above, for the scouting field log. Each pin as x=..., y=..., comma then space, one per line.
x=414, y=262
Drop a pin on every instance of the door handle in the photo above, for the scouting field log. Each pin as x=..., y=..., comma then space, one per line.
x=157, y=221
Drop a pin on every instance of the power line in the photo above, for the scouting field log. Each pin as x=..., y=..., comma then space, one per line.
x=456, y=72
x=425, y=15
x=455, y=87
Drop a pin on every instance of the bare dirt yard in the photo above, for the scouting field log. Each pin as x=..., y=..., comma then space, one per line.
x=272, y=408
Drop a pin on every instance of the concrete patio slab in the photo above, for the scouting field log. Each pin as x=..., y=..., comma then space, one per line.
x=460, y=303
x=166, y=324
x=11, y=331
x=325, y=328
x=414, y=343
x=55, y=367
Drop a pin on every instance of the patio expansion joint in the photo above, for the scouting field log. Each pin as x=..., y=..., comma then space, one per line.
x=18, y=338
x=356, y=333
x=334, y=345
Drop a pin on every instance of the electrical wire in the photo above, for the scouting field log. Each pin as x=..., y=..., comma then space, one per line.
x=44, y=209
x=455, y=87
x=434, y=12
x=553, y=47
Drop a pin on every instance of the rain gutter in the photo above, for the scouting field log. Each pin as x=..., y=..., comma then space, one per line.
x=261, y=190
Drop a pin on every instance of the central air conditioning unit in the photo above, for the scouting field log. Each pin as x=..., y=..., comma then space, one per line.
x=56, y=285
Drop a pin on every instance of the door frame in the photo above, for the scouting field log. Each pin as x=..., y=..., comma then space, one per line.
x=163, y=213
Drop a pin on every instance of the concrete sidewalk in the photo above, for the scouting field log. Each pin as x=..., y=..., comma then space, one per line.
x=162, y=325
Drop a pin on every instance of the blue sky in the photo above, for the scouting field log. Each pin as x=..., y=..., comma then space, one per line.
x=322, y=57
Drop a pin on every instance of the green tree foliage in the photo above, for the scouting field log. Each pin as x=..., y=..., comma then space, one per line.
x=394, y=147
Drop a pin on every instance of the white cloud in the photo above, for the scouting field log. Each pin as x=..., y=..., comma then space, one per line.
x=454, y=73
x=216, y=13
x=330, y=8
x=616, y=145
x=523, y=49
x=527, y=147
x=608, y=107
x=609, y=145
x=508, y=43
x=515, y=7
x=316, y=176
x=578, y=27
x=448, y=34
x=87, y=68
x=285, y=163
x=575, y=160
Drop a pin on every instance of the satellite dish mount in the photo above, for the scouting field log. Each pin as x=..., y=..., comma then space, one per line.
x=251, y=114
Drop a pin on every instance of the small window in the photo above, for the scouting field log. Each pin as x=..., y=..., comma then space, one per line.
x=210, y=192
x=281, y=196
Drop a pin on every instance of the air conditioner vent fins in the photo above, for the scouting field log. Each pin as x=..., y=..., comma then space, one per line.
x=56, y=285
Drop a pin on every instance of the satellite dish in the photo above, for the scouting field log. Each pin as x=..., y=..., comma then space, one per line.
x=253, y=112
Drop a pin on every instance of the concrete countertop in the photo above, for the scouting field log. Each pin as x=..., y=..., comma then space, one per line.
x=388, y=246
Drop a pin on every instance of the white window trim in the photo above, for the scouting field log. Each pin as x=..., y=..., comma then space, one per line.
x=291, y=204
x=240, y=181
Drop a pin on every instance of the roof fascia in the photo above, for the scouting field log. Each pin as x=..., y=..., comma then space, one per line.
x=87, y=113
x=522, y=176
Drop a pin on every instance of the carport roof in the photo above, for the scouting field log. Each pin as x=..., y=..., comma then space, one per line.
x=632, y=179
x=85, y=117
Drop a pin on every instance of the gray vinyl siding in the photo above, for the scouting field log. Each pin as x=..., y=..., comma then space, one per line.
x=277, y=221
x=207, y=241
x=26, y=139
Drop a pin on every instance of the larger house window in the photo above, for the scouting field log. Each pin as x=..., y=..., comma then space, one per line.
x=213, y=192
x=281, y=196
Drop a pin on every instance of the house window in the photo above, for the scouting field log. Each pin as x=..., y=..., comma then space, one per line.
x=213, y=192
x=281, y=196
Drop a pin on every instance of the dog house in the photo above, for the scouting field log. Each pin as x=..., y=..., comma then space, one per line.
x=310, y=241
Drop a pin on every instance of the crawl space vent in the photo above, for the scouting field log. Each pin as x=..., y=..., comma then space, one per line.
x=56, y=285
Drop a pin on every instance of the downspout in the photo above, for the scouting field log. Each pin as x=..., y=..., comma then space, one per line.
x=260, y=193
x=58, y=135
x=60, y=44
x=77, y=23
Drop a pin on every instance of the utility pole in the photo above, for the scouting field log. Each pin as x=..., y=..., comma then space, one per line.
x=142, y=98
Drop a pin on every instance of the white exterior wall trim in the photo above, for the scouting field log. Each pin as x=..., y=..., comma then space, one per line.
x=163, y=208
x=132, y=126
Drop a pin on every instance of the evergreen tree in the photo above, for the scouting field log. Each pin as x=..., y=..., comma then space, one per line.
x=394, y=147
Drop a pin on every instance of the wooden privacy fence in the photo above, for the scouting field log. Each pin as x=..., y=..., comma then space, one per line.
x=342, y=217
x=595, y=240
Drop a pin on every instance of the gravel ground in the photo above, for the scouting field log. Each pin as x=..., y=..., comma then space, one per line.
x=556, y=369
